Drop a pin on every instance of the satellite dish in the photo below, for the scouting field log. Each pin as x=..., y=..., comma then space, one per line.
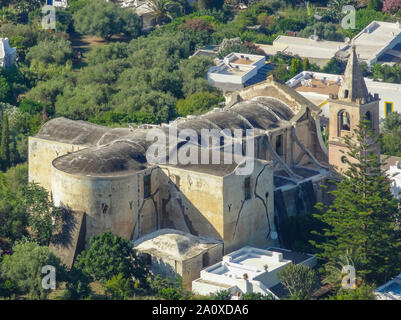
x=274, y=235
x=347, y=40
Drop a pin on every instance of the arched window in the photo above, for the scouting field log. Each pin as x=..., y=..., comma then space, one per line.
x=344, y=121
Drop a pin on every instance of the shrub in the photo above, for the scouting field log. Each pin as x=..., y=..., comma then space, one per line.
x=24, y=268
x=166, y=288
x=222, y=295
x=108, y=256
x=198, y=103
x=257, y=296
x=119, y=288
x=299, y=280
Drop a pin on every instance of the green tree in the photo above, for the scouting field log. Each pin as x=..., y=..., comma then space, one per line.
x=131, y=24
x=167, y=288
x=17, y=177
x=105, y=19
x=33, y=107
x=210, y=4
x=376, y=5
x=334, y=270
x=5, y=90
x=110, y=255
x=364, y=216
x=334, y=66
x=198, y=103
x=7, y=15
x=326, y=31
x=386, y=73
x=305, y=64
x=77, y=286
x=75, y=5
x=13, y=217
x=24, y=268
x=295, y=67
x=390, y=142
x=5, y=143
x=43, y=217
x=299, y=280
x=51, y=52
x=24, y=7
x=119, y=288
x=165, y=10
x=222, y=295
x=364, y=292
x=257, y=296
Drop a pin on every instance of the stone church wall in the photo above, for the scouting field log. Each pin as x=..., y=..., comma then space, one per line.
x=251, y=221
x=41, y=154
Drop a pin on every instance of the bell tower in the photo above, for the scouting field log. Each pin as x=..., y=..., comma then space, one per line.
x=352, y=104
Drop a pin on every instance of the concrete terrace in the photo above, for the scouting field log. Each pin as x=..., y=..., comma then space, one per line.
x=376, y=39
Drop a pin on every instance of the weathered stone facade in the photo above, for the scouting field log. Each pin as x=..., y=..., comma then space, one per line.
x=171, y=252
x=352, y=105
x=104, y=172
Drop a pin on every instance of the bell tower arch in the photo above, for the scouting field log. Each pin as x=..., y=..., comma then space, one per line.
x=352, y=104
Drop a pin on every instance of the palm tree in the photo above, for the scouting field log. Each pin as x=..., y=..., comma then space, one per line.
x=7, y=15
x=335, y=271
x=164, y=9
x=334, y=9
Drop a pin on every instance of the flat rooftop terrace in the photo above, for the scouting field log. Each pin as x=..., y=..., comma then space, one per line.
x=375, y=37
x=259, y=261
x=226, y=69
x=304, y=47
x=318, y=86
x=243, y=61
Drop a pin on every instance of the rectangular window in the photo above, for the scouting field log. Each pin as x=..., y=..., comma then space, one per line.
x=148, y=259
x=388, y=108
x=146, y=186
x=279, y=145
x=205, y=260
x=247, y=188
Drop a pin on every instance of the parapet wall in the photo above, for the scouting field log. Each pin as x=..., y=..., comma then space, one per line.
x=109, y=202
x=41, y=154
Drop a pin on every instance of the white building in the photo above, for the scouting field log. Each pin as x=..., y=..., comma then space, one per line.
x=249, y=270
x=390, y=290
x=378, y=42
x=317, y=87
x=235, y=70
x=394, y=174
x=58, y=3
x=8, y=55
x=317, y=51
